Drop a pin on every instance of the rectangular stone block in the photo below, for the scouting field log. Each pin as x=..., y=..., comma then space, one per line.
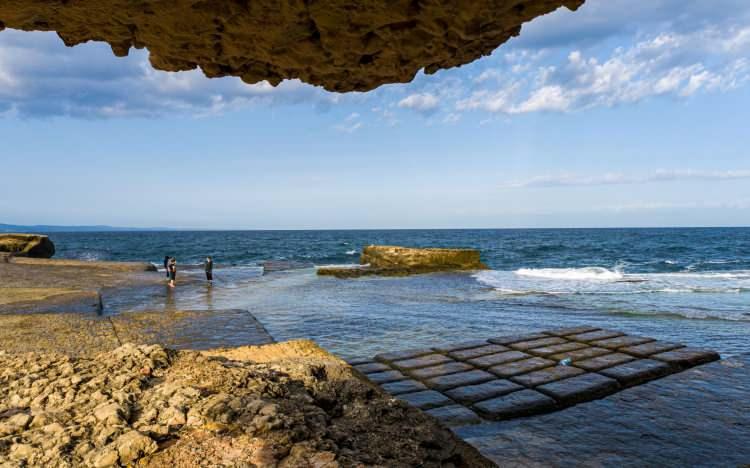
x=455, y=415
x=545, y=376
x=638, y=372
x=526, y=345
x=584, y=387
x=371, y=367
x=520, y=367
x=602, y=362
x=471, y=353
x=385, y=377
x=497, y=359
x=653, y=347
x=515, y=405
x=546, y=351
x=442, y=369
x=580, y=354
x=485, y=391
x=401, y=355
x=510, y=339
x=621, y=341
x=459, y=346
x=403, y=386
x=570, y=331
x=445, y=382
x=357, y=361
x=595, y=335
x=422, y=361
x=684, y=358
x=426, y=399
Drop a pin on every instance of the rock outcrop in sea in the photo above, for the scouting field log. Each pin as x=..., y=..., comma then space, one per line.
x=27, y=245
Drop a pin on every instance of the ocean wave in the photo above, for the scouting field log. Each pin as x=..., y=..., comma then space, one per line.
x=574, y=274
x=351, y=252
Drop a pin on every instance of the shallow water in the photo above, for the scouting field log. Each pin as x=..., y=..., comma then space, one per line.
x=689, y=285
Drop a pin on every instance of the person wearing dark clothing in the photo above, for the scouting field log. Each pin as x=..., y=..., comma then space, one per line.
x=209, y=265
x=172, y=271
x=166, y=264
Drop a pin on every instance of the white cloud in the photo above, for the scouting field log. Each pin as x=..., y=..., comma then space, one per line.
x=617, y=178
x=423, y=102
x=350, y=124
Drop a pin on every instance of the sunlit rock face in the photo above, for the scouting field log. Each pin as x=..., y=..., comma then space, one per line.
x=342, y=45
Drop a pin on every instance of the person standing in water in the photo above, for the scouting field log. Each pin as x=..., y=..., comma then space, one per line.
x=166, y=264
x=209, y=265
x=172, y=271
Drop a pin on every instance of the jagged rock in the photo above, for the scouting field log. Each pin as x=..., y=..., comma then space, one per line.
x=342, y=45
x=26, y=245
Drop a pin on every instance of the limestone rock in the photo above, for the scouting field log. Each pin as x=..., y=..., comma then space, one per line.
x=27, y=245
x=342, y=45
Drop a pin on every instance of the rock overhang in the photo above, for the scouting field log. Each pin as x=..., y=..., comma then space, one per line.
x=341, y=45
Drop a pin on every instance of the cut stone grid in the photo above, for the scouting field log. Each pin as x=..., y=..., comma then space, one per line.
x=522, y=375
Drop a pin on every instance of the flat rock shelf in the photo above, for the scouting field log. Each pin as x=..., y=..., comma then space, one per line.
x=510, y=377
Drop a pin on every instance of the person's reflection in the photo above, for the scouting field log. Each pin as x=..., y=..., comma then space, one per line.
x=169, y=302
x=209, y=297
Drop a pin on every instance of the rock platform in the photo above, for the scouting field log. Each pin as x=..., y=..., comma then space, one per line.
x=511, y=377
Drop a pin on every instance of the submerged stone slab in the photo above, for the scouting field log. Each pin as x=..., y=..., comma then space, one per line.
x=602, y=362
x=621, y=341
x=455, y=415
x=520, y=367
x=653, y=347
x=510, y=339
x=685, y=358
x=471, y=353
x=531, y=344
x=442, y=369
x=595, y=335
x=570, y=331
x=496, y=359
x=385, y=377
x=584, y=387
x=426, y=399
x=422, y=361
x=459, y=346
x=544, y=376
x=484, y=391
x=401, y=355
x=546, y=351
x=403, y=386
x=581, y=354
x=638, y=372
x=370, y=367
x=516, y=404
x=445, y=382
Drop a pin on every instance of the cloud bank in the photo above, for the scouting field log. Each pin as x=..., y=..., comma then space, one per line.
x=616, y=178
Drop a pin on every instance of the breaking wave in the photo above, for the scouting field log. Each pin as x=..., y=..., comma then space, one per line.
x=576, y=274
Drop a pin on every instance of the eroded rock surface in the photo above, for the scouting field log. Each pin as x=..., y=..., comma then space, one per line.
x=27, y=245
x=282, y=405
x=342, y=45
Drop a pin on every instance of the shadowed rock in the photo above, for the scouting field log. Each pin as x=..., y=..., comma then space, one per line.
x=27, y=245
x=341, y=45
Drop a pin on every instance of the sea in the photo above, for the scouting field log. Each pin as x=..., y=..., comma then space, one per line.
x=686, y=285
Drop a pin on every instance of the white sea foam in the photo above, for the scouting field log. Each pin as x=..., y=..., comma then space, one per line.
x=574, y=274
x=351, y=252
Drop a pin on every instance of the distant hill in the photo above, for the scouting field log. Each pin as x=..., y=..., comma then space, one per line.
x=48, y=228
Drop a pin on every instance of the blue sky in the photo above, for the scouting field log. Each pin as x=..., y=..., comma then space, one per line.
x=621, y=114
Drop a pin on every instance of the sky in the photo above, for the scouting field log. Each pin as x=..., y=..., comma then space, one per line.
x=624, y=113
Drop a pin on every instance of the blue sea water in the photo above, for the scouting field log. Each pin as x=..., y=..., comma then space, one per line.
x=690, y=285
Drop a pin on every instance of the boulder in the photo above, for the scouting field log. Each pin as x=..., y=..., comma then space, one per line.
x=389, y=260
x=27, y=245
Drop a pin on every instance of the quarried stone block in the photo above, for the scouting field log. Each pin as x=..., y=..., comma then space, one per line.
x=403, y=386
x=496, y=359
x=510, y=339
x=471, y=353
x=441, y=369
x=638, y=372
x=685, y=358
x=602, y=362
x=385, y=377
x=445, y=382
x=401, y=355
x=426, y=399
x=455, y=415
x=520, y=367
x=584, y=387
x=595, y=335
x=358, y=361
x=621, y=341
x=516, y=404
x=653, y=347
x=544, y=376
x=485, y=391
x=546, y=351
x=526, y=345
x=458, y=346
x=570, y=331
x=580, y=354
x=371, y=367
x=422, y=361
